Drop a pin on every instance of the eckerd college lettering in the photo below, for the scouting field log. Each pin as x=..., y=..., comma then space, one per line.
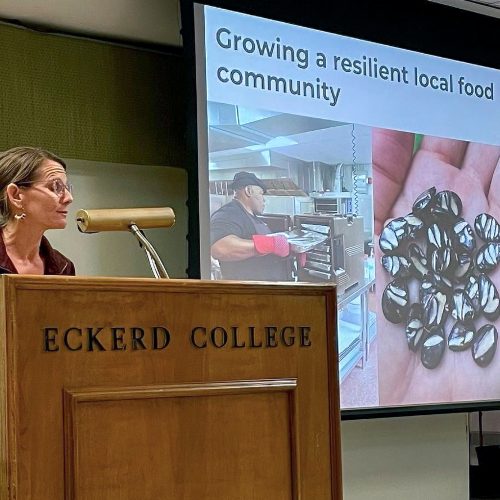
x=158, y=338
x=251, y=337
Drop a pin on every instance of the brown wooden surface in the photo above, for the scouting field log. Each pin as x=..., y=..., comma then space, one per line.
x=178, y=423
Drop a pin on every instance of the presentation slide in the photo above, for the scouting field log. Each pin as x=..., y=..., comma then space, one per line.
x=329, y=159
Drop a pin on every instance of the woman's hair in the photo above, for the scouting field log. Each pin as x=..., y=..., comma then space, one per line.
x=20, y=165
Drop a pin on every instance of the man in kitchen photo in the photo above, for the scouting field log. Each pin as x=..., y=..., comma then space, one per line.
x=242, y=242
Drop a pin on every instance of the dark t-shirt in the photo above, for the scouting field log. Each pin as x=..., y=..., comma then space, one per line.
x=233, y=219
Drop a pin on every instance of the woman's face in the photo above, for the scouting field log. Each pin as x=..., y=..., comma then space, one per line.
x=46, y=200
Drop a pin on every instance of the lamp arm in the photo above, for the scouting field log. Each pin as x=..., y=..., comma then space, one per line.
x=155, y=262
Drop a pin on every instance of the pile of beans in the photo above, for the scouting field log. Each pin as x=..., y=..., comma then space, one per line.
x=450, y=262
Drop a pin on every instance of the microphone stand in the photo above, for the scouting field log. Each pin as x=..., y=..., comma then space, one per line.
x=154, y=260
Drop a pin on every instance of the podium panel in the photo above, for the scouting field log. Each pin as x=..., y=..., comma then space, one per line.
x=180, y=389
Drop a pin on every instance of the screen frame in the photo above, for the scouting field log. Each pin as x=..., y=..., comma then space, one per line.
x=381, y=23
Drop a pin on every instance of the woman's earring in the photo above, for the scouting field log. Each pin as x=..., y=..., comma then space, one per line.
x=20, y=216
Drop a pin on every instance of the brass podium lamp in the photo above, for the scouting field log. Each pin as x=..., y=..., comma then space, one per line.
x=133, y=220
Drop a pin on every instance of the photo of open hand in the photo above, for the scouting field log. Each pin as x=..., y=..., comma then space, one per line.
x=410, y=177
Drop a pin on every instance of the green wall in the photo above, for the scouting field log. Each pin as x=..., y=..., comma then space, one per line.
x=89, y=100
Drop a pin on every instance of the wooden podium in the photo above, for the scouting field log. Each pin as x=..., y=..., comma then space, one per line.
x=139, y=389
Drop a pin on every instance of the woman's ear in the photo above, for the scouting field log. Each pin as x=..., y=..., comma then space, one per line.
x=15, y=195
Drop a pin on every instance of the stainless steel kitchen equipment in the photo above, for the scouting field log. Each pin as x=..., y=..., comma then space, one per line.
x=340, y=258
x=277, y=222
x=291, y=205
x=330, y=203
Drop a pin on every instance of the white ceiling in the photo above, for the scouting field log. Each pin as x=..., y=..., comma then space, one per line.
x=147, y=21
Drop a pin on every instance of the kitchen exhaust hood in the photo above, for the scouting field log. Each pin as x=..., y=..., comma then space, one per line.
x=234, y=127
x=254, y=161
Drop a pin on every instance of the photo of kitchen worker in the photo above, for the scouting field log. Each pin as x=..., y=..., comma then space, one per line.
x=242, y=242
x=438, y=338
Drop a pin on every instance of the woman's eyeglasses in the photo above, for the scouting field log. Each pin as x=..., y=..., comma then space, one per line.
x=57, y=186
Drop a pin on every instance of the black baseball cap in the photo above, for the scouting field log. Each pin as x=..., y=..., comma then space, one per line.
x=242, y=179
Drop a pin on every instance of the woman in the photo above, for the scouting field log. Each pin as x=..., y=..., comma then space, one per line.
x=34, y=197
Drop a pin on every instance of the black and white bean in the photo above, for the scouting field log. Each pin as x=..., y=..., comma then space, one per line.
x=485, y=345
x=415, y=327
x=424, y=203
x=487, y=228
x=418, y=260
x=448, y=203
x=463, y=236
x=435, y=310
x=463, y=265
x=461, y=336
x=489, y=300
x=443, y=260
x=399, y=230
x=488, y=257
x=398, y=266
x=437, y=237
x=463, y=309
x=396, y=301
x=433, y=348
x=393, y=234
x=472, y=291
x=435, y=246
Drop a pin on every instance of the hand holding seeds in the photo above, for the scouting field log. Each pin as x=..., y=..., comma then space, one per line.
x=437, y=275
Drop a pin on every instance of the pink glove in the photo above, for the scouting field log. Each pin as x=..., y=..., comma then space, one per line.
x=268, y=243
x=301, y=259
